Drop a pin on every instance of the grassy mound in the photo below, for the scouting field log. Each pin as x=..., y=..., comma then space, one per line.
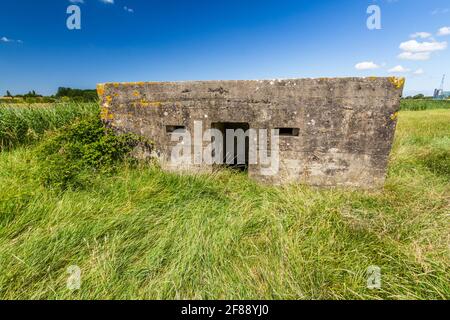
x=143, y=233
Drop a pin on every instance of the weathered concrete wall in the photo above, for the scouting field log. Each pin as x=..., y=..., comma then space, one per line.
x=346, y=125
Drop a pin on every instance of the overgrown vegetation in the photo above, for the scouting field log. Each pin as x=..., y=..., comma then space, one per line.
x=77, y=94
x=69, y=158
x=417, y=105
x=21, y=125
x=143, y=233
x=62, y=95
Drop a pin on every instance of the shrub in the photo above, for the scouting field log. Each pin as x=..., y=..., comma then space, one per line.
x=70, y=157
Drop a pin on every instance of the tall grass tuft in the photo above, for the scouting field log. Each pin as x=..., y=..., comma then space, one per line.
x=20, y=125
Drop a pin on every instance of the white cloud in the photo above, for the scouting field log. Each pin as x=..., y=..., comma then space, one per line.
x=419, y=72
x=7, y=40
x=422, y=35
x=398, y=69
x=108, y=1
x=418, y=56
x=366, y=65
x=440, y=11
x=444, y=31
x=128, y=9
x=414, y=46
x=76, y=1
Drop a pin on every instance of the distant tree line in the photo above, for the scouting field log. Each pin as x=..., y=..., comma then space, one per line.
x=418, y=96
x=77, y=94
x=30, y=94
x=65, y=94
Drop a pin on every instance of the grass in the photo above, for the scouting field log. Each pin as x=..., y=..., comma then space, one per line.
x=424, y=104
x=146, y=234
x=21, y=125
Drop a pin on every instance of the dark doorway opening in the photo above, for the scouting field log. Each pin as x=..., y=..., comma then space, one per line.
x=238, y=157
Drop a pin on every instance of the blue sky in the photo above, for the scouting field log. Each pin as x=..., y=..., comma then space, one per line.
x=162, y=40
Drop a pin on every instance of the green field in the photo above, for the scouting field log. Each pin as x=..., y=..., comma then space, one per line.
x=139, y=233
x=424, y=104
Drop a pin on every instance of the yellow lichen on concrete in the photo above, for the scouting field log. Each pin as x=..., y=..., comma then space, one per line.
x=128, y=84
x=105, y=114
x=100, y=90
x=394, y=116
x=397, y=82
x=145, y=103
x=155, y=104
